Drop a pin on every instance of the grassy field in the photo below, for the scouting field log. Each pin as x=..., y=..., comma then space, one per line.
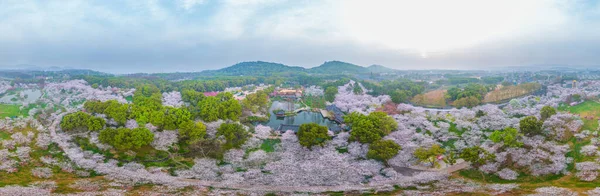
x=9, y=110
x=269, y=145
x=431, y=99
x=589, y=111
x=509, y=92
x=12, y=110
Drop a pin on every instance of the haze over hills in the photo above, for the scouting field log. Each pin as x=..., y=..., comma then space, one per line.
x=262, y=68
x=267, y=68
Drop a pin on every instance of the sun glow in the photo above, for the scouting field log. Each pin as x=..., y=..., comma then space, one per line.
x=441, y=25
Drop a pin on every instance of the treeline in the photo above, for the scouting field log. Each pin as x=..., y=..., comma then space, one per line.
x=147, y=108
x=469, y=96
x=208, y=84
x=401, y=91
x=201, y=85
x=454, y=80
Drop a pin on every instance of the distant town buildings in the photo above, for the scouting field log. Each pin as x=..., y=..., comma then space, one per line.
x=287, y=93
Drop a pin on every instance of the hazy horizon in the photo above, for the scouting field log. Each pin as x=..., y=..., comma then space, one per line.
x=195, y=35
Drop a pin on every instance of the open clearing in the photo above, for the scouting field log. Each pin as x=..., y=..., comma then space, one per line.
x=509, y=92
x=431, y=99
x=589, y=111
x=9, y=110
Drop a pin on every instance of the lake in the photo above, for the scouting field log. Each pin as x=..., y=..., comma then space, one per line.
x=32, y=96
x=303, y=117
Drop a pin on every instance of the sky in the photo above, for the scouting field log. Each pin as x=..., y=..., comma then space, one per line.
x=129, y=36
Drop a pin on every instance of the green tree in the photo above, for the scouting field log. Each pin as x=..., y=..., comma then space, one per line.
x=174, y=117
x=256, y=101
x=367, y=129
x=477, y=156
x=117, y=111
x=509, y=136
x=95, y=123
x=383, y=150
x=531, y=126
x=480, y=113
x=357, y=89
x=385, y=123
x=429, y=155
x=157, y=117
x=235, y=135
x=312, y=134
x=192, y=97
x=468, y=102
x=547, y=112
x=330, y=93
x=209, y=109
x=125, y=139
x=190, y=132
x=80, y=121
x=451, y=158
x=400, y=96
x=230, y=109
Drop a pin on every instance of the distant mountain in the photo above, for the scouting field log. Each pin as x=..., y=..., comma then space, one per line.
x=256, y=68
x=337, y=67
x=380, y=69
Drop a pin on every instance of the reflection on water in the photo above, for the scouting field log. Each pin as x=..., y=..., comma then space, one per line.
x=301, y=118
x=30, y=96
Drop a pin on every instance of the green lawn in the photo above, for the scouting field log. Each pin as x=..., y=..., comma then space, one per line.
x=269, y=145
x=586, y=110
x=4, y=135
x=9, y=110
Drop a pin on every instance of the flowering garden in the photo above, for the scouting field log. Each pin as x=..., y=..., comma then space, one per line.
x=89, y=139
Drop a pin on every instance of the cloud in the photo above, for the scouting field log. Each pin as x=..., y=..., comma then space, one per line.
x=189, y=4
x=191, y=35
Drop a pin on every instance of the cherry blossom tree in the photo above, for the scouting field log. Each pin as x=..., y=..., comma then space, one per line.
x=41, y=172
x=172, y=99
x=507, y=174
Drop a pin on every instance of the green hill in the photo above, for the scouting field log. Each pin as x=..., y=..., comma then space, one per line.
x=337, y=67
x=380, y=69
x=255, y=68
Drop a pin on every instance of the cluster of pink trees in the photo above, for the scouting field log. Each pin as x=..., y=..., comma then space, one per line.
x=172, y=99
x=4, y=86
x=313, y=91
x=347, y=101
x=164, y=139
x=540, y=156
x=338, y=162
x=561, y=125
x=587, y=171
x=74, y=91
x=41, y=172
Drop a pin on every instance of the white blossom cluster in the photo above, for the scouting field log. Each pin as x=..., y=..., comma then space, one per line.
x=545, y=191
x=73, y=91
x=508, y=174
x=313, y=91
x=164, y=139
x=41, y=172
x=4, y=86
x=560, y=125
x=589, y=150
x=347, y=101
x=587, y=171
x=541, y=157
x=19, y=190
x=262, y=131
x=172, y=99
